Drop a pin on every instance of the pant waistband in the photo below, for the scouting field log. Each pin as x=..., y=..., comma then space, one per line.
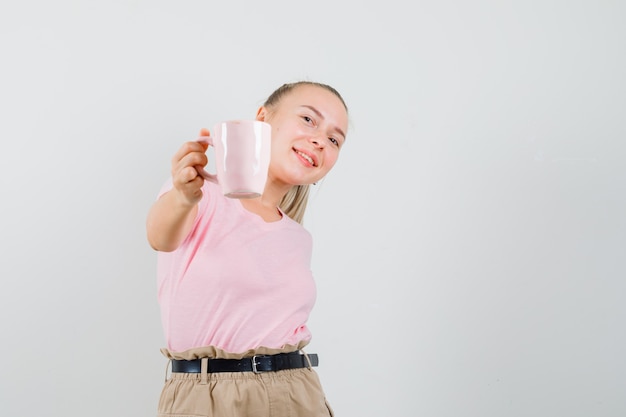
x=256, y=364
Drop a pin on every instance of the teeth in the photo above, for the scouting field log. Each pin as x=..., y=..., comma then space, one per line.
x=307, y=157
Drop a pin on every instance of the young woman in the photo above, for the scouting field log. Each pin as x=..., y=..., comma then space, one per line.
x=234, y=279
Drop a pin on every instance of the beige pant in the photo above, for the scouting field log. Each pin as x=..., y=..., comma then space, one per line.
x=292, y=392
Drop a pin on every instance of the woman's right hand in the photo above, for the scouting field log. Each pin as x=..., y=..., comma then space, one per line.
x=171, y=217
x=185, y=176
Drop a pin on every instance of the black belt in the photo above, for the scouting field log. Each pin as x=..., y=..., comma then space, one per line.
x=256, y=364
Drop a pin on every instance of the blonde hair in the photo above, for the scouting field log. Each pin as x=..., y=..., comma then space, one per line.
x=294, y=203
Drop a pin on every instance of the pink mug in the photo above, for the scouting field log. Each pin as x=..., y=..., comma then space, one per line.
x=242, y=157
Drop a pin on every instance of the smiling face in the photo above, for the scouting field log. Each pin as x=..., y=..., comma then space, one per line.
x=309, y=126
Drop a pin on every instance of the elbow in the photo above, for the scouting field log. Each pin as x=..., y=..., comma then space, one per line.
x=160, y=246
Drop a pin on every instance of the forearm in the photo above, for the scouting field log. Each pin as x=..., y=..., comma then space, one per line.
x=169, y=221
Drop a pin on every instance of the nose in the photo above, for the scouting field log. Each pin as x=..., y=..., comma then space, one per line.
x=317, y=142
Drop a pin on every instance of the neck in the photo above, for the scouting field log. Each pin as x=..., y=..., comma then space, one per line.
x=274, y=192
x=266, y=205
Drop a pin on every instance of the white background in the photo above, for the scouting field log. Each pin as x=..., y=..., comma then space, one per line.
x=469, y=245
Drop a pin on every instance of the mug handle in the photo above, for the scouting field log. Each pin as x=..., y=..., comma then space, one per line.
x=201, y=171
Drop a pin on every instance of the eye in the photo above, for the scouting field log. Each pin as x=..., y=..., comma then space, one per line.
x=307, y=119
x=334, y=141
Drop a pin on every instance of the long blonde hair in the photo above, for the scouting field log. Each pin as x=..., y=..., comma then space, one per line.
x=294, y=203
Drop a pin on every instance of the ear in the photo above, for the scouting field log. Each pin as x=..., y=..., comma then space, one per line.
x=261, y=114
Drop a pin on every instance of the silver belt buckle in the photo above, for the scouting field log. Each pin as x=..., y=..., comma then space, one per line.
x=254, y=369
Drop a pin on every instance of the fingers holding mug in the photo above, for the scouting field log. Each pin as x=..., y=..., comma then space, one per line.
x=190, y=155
x=205, y=140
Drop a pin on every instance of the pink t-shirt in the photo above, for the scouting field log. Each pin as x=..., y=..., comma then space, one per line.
x=236, y=282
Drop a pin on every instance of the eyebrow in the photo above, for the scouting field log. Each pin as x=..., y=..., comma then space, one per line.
x=317, y=112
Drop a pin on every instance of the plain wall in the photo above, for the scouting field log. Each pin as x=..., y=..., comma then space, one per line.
x=469, y=245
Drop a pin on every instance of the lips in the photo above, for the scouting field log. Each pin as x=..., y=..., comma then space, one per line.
x=310, y=158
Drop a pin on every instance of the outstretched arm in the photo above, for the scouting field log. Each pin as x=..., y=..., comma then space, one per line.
x=171, y=217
